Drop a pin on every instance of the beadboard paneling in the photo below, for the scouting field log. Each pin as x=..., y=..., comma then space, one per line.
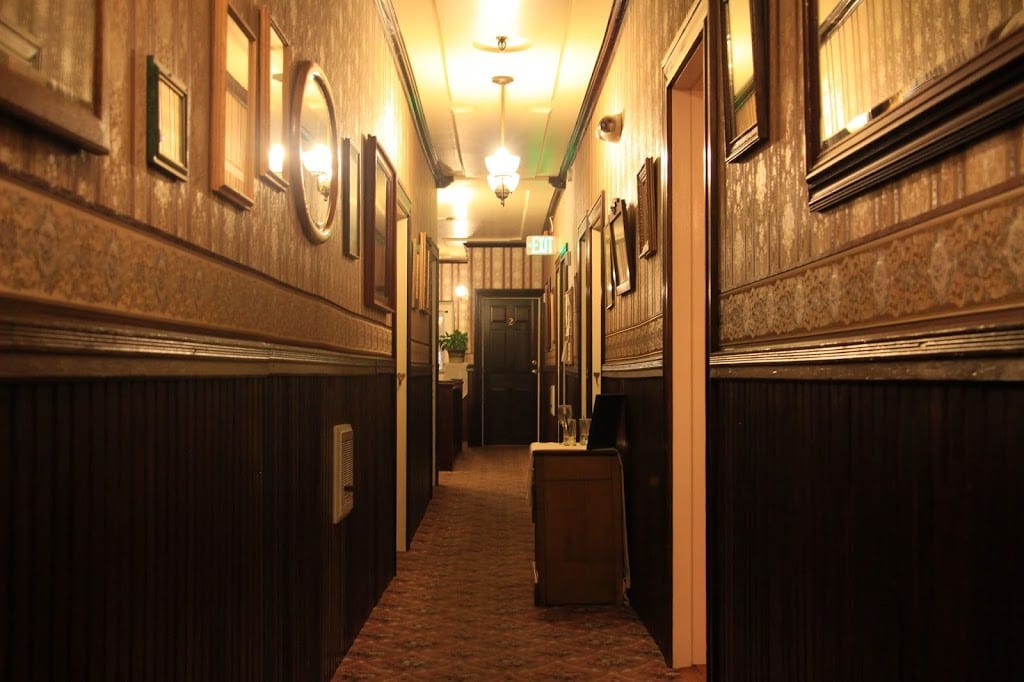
x=864, y=530
x=180, y=528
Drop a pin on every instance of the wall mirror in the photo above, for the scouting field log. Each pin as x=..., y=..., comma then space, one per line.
x=314, y=144
x=746, y=75
x=379, y=224
x=232, y=107
x=275, y=65
x=883, y=101
x=51, y=68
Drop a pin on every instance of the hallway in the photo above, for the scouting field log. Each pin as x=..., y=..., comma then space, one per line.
x=461, y=606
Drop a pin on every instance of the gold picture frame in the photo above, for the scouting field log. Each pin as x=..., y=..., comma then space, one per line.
x=232, y=107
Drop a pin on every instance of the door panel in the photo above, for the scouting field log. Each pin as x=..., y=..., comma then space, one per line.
x=509, y=371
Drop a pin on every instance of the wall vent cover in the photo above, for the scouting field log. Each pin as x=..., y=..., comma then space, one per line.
x=343, y=483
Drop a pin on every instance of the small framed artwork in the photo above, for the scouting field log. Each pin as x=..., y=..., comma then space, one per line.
x=607, y=268
x=275, y=60
x=622, y=243
x=647, y=208
x=52, y=69
x=166, y=122
x=379, y=226
x=351, y=183
x=232, y=107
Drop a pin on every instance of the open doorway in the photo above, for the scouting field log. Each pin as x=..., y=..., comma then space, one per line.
x=687, y=198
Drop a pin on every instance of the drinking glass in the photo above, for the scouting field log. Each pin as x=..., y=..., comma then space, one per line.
x=569, y=434
x=583, y=433
x=564, y=414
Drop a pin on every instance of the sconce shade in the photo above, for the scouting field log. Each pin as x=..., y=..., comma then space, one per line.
x=317, y=160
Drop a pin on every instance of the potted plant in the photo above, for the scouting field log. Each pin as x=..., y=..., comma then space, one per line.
x=455, y=342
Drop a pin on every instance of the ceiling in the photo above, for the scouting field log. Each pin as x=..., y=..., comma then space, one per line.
x=448, y=50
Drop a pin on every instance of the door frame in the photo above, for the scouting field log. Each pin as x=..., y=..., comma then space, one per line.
x=535, y=296
x=688, y=197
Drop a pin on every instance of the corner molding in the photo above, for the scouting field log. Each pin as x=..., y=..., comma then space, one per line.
x=994, y=354
x=32, y=348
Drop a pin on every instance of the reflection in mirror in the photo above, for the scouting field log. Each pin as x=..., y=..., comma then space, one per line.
x=275, y=62
x=894, y=85
x=746, y=113
x=314, y=139
x=867, y=64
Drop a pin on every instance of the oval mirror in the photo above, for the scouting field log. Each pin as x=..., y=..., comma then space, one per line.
x=314, y=163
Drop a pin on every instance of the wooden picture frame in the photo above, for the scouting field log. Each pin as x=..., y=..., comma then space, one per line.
x=166, y=122
x=647, y=208
x=868, y=131
x=351, y=183
x=232, y=107
x=607, y=268
x=622, y=247
x=52, y=70
x=378, y=226
x=275, y=68
x=745, y=71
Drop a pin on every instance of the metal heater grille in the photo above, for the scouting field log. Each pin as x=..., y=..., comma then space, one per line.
x=343, y=492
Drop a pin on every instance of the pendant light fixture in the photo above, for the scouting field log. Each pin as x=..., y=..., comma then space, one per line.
x=502, y=166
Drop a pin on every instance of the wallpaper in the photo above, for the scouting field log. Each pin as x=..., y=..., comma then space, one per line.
x=938, y=244
x=182, y=222
x=635, y=87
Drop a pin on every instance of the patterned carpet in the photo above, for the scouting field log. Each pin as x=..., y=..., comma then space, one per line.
x=461, y=606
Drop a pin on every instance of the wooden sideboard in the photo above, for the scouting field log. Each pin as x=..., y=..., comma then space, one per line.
x=579, y=544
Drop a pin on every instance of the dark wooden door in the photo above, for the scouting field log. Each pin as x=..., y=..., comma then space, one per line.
x=509, y=370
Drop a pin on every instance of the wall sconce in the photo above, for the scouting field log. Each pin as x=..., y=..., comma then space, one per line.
x=461, y=291
x=609, y=128
x=317, y=160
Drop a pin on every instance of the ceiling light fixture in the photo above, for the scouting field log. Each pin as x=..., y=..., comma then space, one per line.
x=502, y=165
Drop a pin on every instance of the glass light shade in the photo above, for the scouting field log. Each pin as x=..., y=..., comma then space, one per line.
x=502, y=162
x=510, y=181
x=317, y=160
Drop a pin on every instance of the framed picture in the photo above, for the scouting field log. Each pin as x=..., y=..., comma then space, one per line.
x=51, y=69
x=232, y=107
x=166, y=122
x=379, y=227
x=350, y=193
x=275, y=62
x=622, y=243
x=746, y=75
x=607, y=268
x=549, y=316
x=647, y=208
x=947, y=81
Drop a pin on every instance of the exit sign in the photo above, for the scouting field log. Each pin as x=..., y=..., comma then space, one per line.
x=540, y=245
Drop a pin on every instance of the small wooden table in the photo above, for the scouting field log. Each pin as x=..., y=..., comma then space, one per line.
x=579, y=542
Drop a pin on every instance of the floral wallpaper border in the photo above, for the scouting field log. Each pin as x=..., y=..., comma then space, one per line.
x=58, y=253
x=960, y=263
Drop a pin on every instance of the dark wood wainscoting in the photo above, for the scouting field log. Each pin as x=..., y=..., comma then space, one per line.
x=647, y=478
x=181, y=528
x=419, y=448
x=865, y=530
